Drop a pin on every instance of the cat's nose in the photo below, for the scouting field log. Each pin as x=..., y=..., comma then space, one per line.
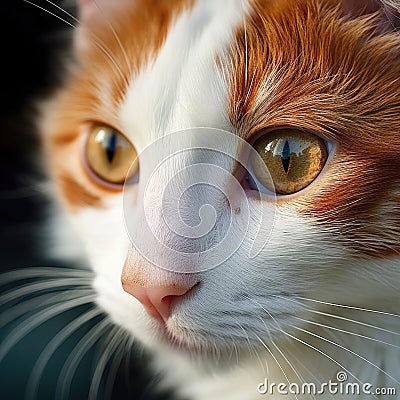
x=159, y=290
x=158, y=300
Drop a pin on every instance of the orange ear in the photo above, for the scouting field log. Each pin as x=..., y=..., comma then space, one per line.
x=388, y=10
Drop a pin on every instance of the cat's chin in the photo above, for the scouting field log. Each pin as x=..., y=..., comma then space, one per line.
x=206, y=355
x=205, y=351
x=181, y=340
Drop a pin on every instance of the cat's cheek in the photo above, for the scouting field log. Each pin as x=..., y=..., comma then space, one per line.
x=125, y=311
x=104, y=239
x=106, y=243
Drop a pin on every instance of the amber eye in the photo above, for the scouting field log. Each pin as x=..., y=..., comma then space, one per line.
x=292, y=157
x=110, y=155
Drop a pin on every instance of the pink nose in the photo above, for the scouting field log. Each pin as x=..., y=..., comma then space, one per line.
x=158, y=300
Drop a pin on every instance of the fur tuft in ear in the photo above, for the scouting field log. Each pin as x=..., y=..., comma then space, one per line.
x=388, y=11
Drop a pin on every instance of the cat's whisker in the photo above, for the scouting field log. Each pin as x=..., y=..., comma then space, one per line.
x=346, y=349
x=347, y=332
x=324, y=313
x=322, y=353
x=51, y=13
x=253, y=350
x=40, y=301
x=343, y=347
x=299, y=376
x=128, y=65
x=355, y=322
x=276, y=360
x=250, y=346
x=326, y=356
x=309, y=345
x=128, y=350
x=52, y=346
x=111, y=344
x=34, y=321
x=235, y=349
x=80, y=350
x=273, y=343
x=349, y=307
x=117, y=38
x=63, y=10
x=305, y=368
x=115, y=364
x=52, y=284
x=105, y=50
x=41, y=272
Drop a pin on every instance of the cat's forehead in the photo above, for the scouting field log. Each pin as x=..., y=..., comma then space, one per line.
x=242, y=65
x=247, y=67
x=183, y=86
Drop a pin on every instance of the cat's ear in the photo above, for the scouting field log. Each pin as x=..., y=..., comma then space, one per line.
x=94, y=11
x=389, y=12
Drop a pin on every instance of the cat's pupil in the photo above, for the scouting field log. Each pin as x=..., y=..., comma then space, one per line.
x=285, y=156
x=110, y=146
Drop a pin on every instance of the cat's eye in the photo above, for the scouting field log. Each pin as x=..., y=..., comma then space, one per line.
x=293, y=158
x=110, y=155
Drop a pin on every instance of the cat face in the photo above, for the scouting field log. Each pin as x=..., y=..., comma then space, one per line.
x=314, y=83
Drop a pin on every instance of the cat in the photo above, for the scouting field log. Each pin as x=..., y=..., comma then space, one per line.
x=310, y=89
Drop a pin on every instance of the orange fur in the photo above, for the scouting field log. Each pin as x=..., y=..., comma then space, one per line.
x=336, y=77
x=97, y=85
x=325, y=72
x=76, y=194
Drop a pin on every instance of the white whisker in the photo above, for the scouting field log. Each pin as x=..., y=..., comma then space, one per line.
x=51, y=13
x=347, y=332
x=51, y=347
x=348, y=350
x=253, y=350
x=277, y=362
x=63, y=10
x=34, y=321
x=40, y=272
x=324, y=313
x=305, y=368
x=299, y=376
x=315, y=349
x=81, y=348
x=95, y=39
x=118, y=40
x=108, y=23
x=355, y=322
x=323, y=354
x=272, y=341
x=44, y=300
x=31, y=288
x=115, y=364
x=350, y=307
x=107, y=353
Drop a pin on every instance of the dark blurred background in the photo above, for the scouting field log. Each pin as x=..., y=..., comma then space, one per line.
x=31, y=68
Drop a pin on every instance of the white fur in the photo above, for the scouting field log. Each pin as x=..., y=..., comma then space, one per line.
x=183, y=88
